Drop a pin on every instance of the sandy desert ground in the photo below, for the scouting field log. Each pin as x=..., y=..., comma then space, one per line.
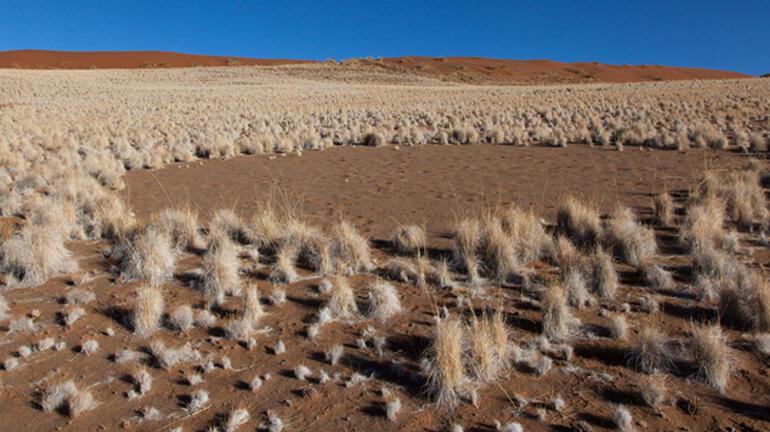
x=360, y=247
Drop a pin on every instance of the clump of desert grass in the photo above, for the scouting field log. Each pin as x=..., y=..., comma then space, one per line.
x=447, y=379
x=181, y=225
x=651, y=351
x=220, y=275
x=284, y=270
x=744, y=300
x=226, y=222
x=467, y=237
x=619, y=327
x=408, y=239
x=148, y=255
x=182, y=319
x=342, y=304
x=168, y=357
x=488, y=340
x=142, y=381
x=631, y=241
x=653, y=389
x=623, y=420
x=657, y=278
x=147, y=312
x=742, y=193
x=350, y=249
x=400, y=269
x=526, y=232
x=663, y=206
x=384, y=301
x=496, y=252
x=34, y=255
x=603, y=276
x=711, y=355
x=67, y=397
x=580, y=222
x=558, y=321
x=243, y=327
x=576, y=286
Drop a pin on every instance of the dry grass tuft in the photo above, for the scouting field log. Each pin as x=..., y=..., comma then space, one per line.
x=711, y=355
x=631, y=242
x=580, y=223
x=220, y=275
x=33, y=256
x=351, y=249
x=664, y=209
x=447, y=379
x=148, y=310
x=384, y=301
x=408, y=239
x=651, y=352
x=558, y=322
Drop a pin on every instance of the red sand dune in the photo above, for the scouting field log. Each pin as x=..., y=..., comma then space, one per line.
x=493, y=70
x=37, y=59
x=461, y=69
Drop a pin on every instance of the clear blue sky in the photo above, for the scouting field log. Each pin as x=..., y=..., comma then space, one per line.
x=732, y=35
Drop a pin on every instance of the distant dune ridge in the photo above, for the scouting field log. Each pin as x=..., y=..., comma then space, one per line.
x=459, y=69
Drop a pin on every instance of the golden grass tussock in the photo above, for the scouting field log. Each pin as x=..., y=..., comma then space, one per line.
x=148, y=309
x=447, y=378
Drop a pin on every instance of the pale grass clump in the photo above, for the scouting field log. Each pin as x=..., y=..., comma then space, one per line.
x=313, y=248
x=651, y=352
x=711, y=355
x=526, y=233
x=392, y=408
x=664, y=209
x=220, y=275
x=579, y=222
x=408, y=239
x=237, y=418
x=467, y=237
x=168, y=357
x=68, y=397
x=564, y=253
x=619, y=327
x=657, y=278
x=576, y=287
x=334, y=354
x=703, y=226
x=496, y=250
x=3, y=309
x=744, y=300
x=181, y=318
x=226, y=222
x=147, y=312
x=604, y=277
x=284, y=271
x=33, y=256
x=631, y=242
x=400, y=269
x=342, y=304
x=654, y=389
x=350, y=249
x=558, y=321
x=488, y=346
x=147, y=255
x=181, y=225
x=252, y=306
x=742, y=193
x=142, y=380
x=384, y=301
x=447, y=379
x=623, y=420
